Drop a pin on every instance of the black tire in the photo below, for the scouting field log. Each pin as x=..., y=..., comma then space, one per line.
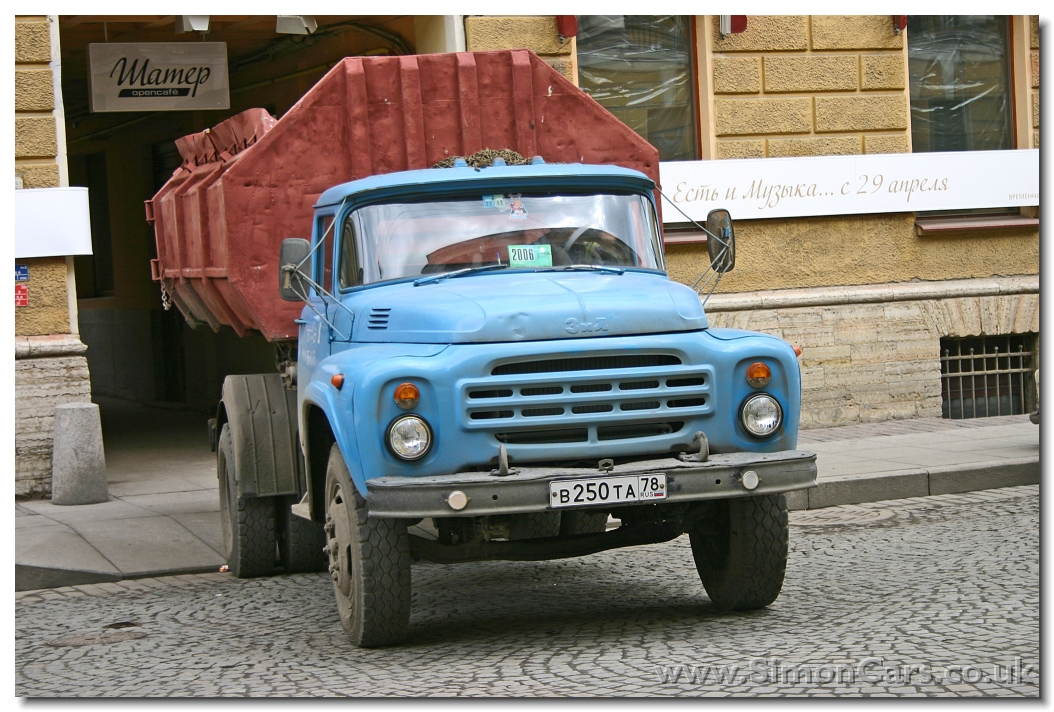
x=301, y=542
x=370, y=563
x=535, y=525
x=583, y=521
x=740, y=550
x=248, y=523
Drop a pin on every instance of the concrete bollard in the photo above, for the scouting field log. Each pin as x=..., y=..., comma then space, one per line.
x=78, y=464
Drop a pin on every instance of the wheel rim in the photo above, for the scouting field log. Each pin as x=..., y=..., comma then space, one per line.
x=338, y=542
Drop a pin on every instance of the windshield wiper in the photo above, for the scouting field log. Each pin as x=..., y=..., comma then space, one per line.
x=457, y=273
x=584, y=268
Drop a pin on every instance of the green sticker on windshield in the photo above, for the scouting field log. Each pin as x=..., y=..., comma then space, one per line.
x=530, y=256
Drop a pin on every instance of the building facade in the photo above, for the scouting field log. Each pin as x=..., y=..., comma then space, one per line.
x=875, y=300
x=50, y=364
x=884, y=305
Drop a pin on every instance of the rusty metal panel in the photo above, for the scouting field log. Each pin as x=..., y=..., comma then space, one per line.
x=251, y=181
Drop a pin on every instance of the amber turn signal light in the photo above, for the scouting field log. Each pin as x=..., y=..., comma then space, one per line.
x=797, y=350
x=337, y=380
x=758, y=375
x=407, y=396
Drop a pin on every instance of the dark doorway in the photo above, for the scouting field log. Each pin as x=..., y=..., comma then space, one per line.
x=94, y=271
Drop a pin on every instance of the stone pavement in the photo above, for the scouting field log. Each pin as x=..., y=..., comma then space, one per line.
x=163, y=514
x=911, y=597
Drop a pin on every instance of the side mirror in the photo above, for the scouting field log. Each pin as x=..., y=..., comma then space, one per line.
x=292, y=280
x=721, y=242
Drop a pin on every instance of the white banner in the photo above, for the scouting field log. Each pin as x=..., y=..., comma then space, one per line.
x=844, y=185
x=158, y=76
x=52, y=222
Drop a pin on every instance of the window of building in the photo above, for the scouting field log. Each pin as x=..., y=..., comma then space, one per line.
x=640, y=68
x=959, y=75
x=984, y=376
x=961, y=88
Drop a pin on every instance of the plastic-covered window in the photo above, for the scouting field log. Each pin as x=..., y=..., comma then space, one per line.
x=639, y=67
x=959, y=69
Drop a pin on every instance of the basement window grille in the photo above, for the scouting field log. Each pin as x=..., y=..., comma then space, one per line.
x=986, y=376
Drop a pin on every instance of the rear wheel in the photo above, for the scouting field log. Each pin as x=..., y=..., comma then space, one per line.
x=583, y=521
x=369, y=559
x=248, y=522
x=740, y=550
x=534, y=525
x=301, y=542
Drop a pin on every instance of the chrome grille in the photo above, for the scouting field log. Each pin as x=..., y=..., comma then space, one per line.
x=587, y=399
x=586, y=363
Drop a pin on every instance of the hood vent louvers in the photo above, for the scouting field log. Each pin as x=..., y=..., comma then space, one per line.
x=378, y=318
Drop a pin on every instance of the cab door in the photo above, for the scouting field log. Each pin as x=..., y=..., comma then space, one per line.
x=315, y=339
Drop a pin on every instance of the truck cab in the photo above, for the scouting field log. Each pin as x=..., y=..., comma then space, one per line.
x=493, y=365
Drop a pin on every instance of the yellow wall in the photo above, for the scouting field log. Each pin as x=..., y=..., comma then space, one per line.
x=857, y=249
x=538, y=34
x=36, y=148
x=810, y=86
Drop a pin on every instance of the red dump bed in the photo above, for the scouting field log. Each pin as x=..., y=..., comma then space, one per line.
x=251, y=181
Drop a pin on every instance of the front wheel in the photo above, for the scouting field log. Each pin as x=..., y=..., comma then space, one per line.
x=369, y=559
x=740, y=550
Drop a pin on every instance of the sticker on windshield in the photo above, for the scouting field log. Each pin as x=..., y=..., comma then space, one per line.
x=488, y=201
x=530, y=256
x=518, y=212
x=499, y=201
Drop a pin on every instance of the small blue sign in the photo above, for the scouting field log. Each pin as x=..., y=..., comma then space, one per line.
x=21, y=273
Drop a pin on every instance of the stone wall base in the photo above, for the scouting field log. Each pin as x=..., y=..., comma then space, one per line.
x=874, y=361
x=40, y=385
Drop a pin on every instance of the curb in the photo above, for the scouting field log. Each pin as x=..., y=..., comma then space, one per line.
x=917, y=482
x=32, y=578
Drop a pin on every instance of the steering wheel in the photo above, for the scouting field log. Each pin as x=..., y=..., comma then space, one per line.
x=600, y=248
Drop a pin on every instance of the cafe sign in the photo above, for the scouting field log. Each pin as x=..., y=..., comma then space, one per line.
x=757, y=188
x=158, y=76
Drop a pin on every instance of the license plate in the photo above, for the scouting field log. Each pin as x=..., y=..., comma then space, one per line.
x=607, y=490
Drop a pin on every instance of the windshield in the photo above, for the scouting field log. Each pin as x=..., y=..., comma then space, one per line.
x=401, y=240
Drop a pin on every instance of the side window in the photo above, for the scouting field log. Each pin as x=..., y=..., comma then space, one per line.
x=322, y=268
x=350, y=272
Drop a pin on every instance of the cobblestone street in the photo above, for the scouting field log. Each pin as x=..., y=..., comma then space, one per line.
x=948, y=584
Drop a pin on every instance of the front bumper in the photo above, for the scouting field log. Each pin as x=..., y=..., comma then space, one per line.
x=720, y=477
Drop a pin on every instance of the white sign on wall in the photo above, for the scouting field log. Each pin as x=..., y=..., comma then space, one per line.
x=158, y=76
x=844, y=185
x=52, y=222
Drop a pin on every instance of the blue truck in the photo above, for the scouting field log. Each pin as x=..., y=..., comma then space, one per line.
x=492, y=364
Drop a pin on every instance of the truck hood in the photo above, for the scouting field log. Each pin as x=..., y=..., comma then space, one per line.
x=528, y=306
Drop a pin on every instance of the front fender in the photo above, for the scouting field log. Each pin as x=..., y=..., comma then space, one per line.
x=338, y=407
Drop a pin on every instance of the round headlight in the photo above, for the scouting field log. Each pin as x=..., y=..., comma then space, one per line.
x=409, y=437
x=761, y=415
